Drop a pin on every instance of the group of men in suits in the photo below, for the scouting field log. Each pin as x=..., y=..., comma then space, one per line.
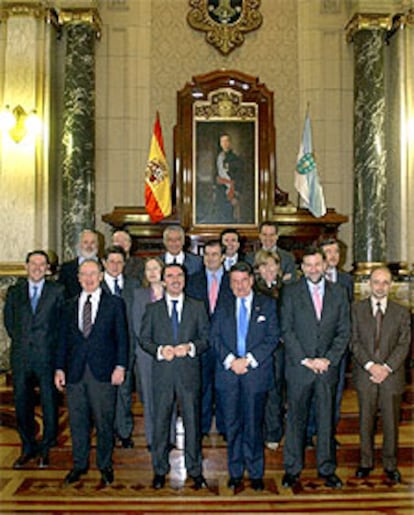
x=213, y=342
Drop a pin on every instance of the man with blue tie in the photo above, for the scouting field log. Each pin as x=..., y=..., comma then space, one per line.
x=244, y=334
x=316, y=330
x=175, y=332
x=31, y=316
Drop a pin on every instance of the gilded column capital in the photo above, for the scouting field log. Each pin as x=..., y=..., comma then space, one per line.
x=37, y=10
x=81, y=15
x=367, y=21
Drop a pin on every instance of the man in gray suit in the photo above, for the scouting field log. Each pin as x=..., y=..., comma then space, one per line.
x=175, y=332
x=380, y=343
x=316, y=330
x=116, y=283
x=31, y=316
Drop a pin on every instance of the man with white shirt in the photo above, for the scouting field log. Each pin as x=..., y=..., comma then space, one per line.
x=116, y=283
x=174, y=240
x=230, y=241
x=91, y=359
x=315, y=330
x=244, y=335
x=380, y=343
x=175, y=332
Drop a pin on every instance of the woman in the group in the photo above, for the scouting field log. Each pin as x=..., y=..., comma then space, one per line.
x=268, y=281
x=151, y=291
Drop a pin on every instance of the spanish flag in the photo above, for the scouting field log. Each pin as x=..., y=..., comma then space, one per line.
x=157, y=179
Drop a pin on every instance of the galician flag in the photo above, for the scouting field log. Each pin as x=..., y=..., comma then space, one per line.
x=306, y=174
x=157, y=178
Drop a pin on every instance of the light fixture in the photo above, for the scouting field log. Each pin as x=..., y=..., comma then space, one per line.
x=19, y=124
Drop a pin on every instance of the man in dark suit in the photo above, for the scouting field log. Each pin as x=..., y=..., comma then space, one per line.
x=31, y=317
x=268, y=236
x=91, y=361
x=230, y=241
x=316, y=330
x=115, y=283
x=134, y=265
x=212, y=286
x=87, y=248
x=174, y=240
x=175, y=332
x=244, y=334
x=380, y=343
x=331, y=250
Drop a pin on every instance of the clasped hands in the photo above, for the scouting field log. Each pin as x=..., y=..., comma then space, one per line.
x=240, y=366
x=378, y=373
x=317, y=365
x=117, y=378
x=169, y=352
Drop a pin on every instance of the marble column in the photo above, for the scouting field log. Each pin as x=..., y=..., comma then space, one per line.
x=367, y=32
x=78, y=138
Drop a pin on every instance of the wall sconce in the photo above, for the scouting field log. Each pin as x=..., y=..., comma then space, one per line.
x=18, y=123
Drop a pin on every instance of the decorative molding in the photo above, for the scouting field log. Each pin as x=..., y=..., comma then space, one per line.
x=79, y=15
x=13, y=269
x=367, y=21
x=225, y=21
x=225, y=103
x=36, y=10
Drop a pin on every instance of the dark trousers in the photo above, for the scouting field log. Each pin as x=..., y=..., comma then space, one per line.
x=299, y=397
x=210, y=404
x=91, y=399
x=275, y=402
x=244, y=411
x=124, y=420
x=371, y=398
x=24, y=383
x=166, y=397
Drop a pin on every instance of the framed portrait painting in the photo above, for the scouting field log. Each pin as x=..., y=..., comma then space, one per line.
x=224, y=144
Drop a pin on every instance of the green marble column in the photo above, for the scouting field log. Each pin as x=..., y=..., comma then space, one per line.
x=370, y=204
x=78, y=139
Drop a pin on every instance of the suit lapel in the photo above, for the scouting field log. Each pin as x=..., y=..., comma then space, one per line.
x=307, y=301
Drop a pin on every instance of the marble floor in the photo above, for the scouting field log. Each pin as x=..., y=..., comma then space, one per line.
x=41, y=491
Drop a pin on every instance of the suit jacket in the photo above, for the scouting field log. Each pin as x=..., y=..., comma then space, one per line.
x=197, y=288
x=105, y=347
x=307, y=337
x=142, y=297
x=347, y=282
x=393, y=347
x=34, y=337
x=287, y=263
x=156, y=330
x=68, y=277
x=261, y=341
x=192, y=263
x=130, y=285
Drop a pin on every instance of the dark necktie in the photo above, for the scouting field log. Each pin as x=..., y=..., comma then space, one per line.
x=242, y=325
x=174, y=320
x=378, y=325
x=87, y=317
x=35, y=298
x=117, y=289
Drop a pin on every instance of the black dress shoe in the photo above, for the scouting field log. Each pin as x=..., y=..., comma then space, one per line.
x=74, y=475
x=107, y=476
x=289, y=480
x=393, y=475
x=199, y=482
x=331, y=480
x=257, y=484
x=127, y=443
x=362, y=472
x=23, y=459
x=43, y=461
x=158, y=481
x=234, y=482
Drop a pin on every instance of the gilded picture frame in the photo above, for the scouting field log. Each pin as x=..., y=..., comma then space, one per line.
x=225, y=21
x=225, y=164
